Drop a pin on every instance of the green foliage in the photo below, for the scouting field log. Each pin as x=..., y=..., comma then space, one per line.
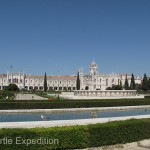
x=145, y=83
x=68, y=138
x=121, y=84
x=58, y=98
x=132, y=85
x=118, y=132
x=138, y=87
x=45, y=83
x=78, y=82
x=109, y=88
x=149, y=84
x=9, y=95
x=78, y=137
x=12, y=87
x=147, y=97
x=126, y=85
x=115, y=87
x=48, y=104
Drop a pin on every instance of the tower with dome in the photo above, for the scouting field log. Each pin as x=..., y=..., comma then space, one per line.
x=97, y=81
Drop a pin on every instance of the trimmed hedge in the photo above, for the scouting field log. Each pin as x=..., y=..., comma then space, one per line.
x=75, y=137
x=45, y=104
x=147, y=96
x=68, y=137
x=4, y=94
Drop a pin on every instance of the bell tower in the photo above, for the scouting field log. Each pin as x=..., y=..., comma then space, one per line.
x=93, y=69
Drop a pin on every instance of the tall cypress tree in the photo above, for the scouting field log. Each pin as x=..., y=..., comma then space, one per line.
x=126, y=85
x=120, y=83
x=132, y=85
x=149, y=84
x=45, y=83
x=145, y=83
x=78, y=82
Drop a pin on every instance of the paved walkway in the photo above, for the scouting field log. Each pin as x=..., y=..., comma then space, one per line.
x=140, y=145
x=28, y=97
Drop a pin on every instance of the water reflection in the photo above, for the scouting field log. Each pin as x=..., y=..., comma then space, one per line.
x=93, y=114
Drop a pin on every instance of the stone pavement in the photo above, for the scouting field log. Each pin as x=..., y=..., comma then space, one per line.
x=28, y=97
x=139, y=145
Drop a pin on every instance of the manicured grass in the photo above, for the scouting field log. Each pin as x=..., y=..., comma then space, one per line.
x=51, y=104
x=77, y=137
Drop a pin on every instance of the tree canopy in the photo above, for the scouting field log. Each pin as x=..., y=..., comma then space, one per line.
x=12, y=87
x=114, y=87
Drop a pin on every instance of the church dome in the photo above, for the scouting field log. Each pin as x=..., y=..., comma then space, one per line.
x=93, y=64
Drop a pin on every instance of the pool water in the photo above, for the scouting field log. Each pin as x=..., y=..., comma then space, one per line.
x=20, y=117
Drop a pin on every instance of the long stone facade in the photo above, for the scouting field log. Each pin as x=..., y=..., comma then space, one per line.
x=92, y=81
x=30, y=82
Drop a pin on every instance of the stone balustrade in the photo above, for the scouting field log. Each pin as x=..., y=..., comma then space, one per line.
x=105, y=93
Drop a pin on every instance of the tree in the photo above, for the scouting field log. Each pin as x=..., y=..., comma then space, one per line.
x=138, y=87
x=149, y=84
x=109, y=88
x=45, y=83
x=12, y=87
x=78, y=82
x=132, y=85
x=121, y=84
x=116, y=87
x=126, y=85
x=145, y=83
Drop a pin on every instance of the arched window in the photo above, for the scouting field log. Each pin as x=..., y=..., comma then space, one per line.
x=69, y=88
x=36, y=87
x=55, y=88
x=86, y=88
x=41, y=87
x=31, y=88
x=65, y=89
x=50, y=88
x=26, y=87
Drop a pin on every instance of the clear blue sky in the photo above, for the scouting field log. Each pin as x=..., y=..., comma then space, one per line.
x=60, y=36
